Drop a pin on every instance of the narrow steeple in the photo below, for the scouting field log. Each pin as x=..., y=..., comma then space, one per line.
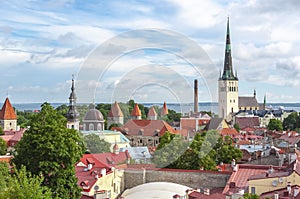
x=228, y=70
x=72, y=115
x=265, y=102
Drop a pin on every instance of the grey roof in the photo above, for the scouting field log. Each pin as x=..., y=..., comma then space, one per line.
x=248, y=102
x=138, y=152
x=93, y=115
x=214, y=123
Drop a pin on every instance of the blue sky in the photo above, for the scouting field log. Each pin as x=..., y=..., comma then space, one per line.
x=43, y=43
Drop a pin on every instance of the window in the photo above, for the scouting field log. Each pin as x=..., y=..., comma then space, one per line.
x=91, y=127
x=252, y=190
x=99, y=127
x=84, y=127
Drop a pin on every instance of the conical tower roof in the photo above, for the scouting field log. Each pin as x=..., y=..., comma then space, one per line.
x=115, y=111
x=136, y=111
x=152, y=112
x=228, y=69
x=7, y=111
x=164, y=110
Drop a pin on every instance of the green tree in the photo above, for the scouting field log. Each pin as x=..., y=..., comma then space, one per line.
x=114, y=125
x=1, y=131
x=21, y=184
x=23, y=118
x=250, y=196
x=237, y=127
x=96, y=145
x=49, y=149
x=275, y=124
x=3, y=147
x=62, y=109
x=291, y=122
x=171, y=148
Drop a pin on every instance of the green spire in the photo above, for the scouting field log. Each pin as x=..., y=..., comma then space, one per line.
x=228, y=70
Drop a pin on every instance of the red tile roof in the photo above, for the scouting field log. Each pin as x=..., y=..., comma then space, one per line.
x=214, y=193
x=115, y=111
x=191, y=124
x=291, y=137
x=13, y=137
x=149, y=127
x=7, y=112
x=87, y=178
x=136, y=111
x=229, y=131
x=241, y=176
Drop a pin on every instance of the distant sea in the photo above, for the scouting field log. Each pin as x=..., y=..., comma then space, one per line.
x=183, y=108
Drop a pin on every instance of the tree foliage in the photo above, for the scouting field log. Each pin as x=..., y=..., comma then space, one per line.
x=205, y=151
x=3, y=147
x=96, y=145
x=250, y=196
x=23, y=118
x=291, y=122
x=21, y=184
x=275, y=124
x=50, y=149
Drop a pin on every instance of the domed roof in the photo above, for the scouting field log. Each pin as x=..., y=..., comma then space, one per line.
x=93, y=115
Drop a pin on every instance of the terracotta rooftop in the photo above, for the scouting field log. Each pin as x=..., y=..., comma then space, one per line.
x=213, y=193
x=239, y=178
x=192, y=124
x=86, y=177
x=291, y=137
x=7, y=112
x=148, y=127
x=229, y=131
x=136, y=111
x=282, y=193
x=164, y=110
x=115, y=111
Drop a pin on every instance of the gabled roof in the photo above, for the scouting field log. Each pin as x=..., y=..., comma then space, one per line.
x=149, y=127
x=244, y=122
x=136, y=111
x=7, y=111
x=248, y=102
x=214, y=124
x=152, y=112
x=115, y=111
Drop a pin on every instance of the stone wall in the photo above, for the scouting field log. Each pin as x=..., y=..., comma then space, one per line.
x=190, y=178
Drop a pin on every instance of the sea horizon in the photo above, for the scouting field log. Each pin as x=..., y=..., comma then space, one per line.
x=178, y=107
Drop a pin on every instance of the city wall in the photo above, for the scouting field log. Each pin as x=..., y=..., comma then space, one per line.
x=190, y=178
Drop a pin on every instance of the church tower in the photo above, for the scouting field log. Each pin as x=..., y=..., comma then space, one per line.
x=228, y=83
x=72, y=115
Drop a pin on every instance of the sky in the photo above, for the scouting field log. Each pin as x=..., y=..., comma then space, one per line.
x=149, y=51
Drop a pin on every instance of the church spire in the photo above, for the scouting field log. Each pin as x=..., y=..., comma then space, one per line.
x=72, y=115
x=228, y=70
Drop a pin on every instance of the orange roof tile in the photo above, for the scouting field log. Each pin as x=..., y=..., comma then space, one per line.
x=115, y=111
x=136, y=111
x=7, y=111
x=164, y=110
x=149, y=127
x=228, y=131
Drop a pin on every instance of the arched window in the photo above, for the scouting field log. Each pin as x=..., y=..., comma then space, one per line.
x=99, y=127
x=91, y=127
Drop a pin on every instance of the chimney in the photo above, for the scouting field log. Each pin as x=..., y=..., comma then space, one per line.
x=276, y=195
x=195, y=96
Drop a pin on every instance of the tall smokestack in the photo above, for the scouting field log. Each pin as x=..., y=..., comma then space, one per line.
x=195, y=96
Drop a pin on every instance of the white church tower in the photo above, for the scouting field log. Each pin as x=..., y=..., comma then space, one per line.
x=228, y=84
